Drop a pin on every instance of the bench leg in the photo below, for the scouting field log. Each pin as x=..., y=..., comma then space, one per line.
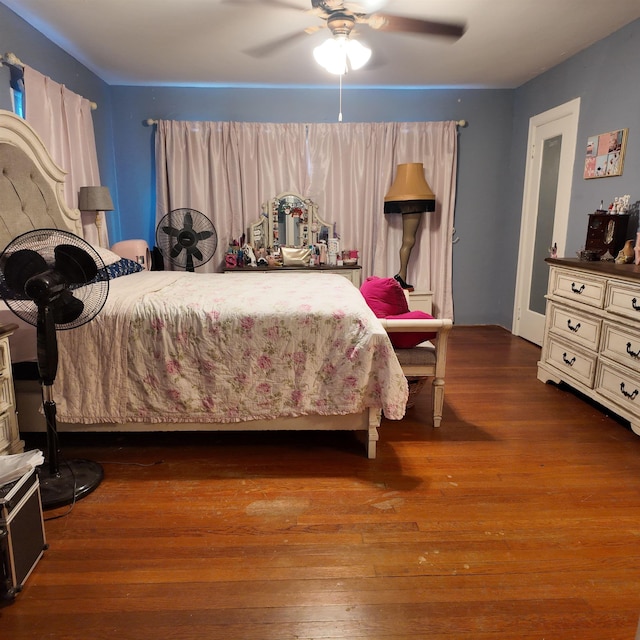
x=438, y=400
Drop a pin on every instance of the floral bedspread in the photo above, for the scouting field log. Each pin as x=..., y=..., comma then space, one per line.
x=188, y=347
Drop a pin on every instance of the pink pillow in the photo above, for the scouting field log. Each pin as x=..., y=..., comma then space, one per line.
x=384, y=296
x=409, y=340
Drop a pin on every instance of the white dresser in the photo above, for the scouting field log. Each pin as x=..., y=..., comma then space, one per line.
x=9, y=434
x=592, y=333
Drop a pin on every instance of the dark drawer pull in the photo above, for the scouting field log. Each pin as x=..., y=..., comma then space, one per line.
x=635, y=305
x=633, y=354
x=626, y=394
x=577, y=290
x=567, y=361
x=573, y=328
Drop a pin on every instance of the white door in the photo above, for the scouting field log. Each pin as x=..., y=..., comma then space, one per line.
x=551, y=153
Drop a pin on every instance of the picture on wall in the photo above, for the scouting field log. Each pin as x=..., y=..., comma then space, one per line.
x=605, y=154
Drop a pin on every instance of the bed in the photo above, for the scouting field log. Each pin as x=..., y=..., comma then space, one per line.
x=189, y=351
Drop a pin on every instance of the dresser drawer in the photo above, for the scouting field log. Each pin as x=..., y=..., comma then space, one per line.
x=573, y=285
x=575, y=326
x=6, y=393
x=572, y=360
x=9, y=435
x=621, y=344
x=623, y=299
x=5, y=357
x=619, y=385
x=6, y=430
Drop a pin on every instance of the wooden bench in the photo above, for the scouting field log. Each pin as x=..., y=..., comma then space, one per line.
x=428, y=359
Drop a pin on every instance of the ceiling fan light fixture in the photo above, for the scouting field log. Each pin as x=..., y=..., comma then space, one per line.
x=358, y=54
x=334, y=54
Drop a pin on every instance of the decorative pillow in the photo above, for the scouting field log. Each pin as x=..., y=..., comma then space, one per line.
x=123, y=267
x=384, y=296
x=409, y=340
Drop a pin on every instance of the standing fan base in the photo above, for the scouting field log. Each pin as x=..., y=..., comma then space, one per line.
x=75, y=480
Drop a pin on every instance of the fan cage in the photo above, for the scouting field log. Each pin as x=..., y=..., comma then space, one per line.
x=169, y=244
x=93, y=295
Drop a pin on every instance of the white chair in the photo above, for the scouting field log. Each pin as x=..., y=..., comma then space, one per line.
x=428, y=359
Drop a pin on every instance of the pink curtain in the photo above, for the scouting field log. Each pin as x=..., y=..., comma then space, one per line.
x=63, y=120
x=435, y=144
x=227, y=170
x=352, y=168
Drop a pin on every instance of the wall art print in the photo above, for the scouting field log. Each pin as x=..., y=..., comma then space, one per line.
x=605, y=154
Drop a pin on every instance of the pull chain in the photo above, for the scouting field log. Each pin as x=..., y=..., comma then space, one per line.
x=340, y=107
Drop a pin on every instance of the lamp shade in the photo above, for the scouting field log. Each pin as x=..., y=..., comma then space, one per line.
x=95, y=199
x=410, y=192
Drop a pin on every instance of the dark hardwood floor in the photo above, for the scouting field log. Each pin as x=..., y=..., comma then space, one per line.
x=519, y=518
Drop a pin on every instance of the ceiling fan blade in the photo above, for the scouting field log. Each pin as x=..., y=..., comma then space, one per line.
x=366, y=6
x=67, y=308
x=387, y=22
x=275, y=3
x=22, y=265
x=75, y=264
x=327, y=5
x=269, y=48
x=354, y=6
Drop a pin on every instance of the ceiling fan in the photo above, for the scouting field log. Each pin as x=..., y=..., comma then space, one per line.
x=341, y=16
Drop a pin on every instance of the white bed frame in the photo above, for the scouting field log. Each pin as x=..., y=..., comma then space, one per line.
x=28, y=397
x=51, y=211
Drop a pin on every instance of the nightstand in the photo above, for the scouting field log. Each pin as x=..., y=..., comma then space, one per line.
x=9, y=434
x=420, y=301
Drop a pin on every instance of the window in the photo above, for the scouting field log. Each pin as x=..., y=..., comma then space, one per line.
x=17, y=90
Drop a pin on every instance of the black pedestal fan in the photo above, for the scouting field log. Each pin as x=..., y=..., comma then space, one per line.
x=55, y=280
x=187, y=238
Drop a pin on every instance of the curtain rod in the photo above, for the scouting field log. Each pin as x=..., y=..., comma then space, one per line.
x=11, y=60
x=149, y=122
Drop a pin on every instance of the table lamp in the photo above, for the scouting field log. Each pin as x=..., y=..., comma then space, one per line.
x=95, y=199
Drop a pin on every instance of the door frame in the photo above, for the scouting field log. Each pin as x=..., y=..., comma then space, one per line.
x=529, y=215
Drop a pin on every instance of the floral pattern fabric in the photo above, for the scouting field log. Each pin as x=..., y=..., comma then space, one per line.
x=189, y=347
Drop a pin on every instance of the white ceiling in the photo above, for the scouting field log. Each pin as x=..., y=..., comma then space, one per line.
x=206, y=42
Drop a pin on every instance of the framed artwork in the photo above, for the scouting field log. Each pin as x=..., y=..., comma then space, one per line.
x=605, y=154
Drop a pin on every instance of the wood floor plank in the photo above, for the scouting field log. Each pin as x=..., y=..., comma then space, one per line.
x=518, y=519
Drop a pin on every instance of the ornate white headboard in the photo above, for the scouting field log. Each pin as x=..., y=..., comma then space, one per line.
x=31, y=184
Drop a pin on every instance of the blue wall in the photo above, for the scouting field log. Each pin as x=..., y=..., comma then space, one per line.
x=605, y=78
x=491, y=148
x=32, y=48
x=483, y=159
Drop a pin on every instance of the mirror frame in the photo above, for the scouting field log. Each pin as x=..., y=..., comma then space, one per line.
x=311, y=228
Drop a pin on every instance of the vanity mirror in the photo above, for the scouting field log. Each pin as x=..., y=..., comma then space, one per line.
x=288, y=220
